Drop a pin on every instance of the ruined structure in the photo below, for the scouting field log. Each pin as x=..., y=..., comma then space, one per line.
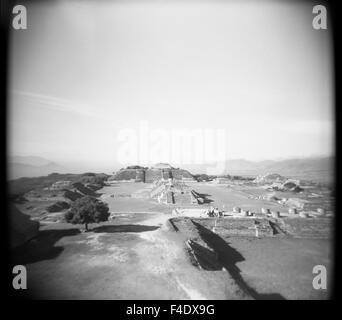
x=269, y=178
x=221, y=180
x=59, y=185
x=149, y=175
x=173, y=191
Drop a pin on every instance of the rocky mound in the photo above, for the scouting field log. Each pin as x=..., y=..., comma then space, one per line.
x=53, y=181
x=288, y=185
x=72, y=195
x=292, y=186
x=81, y=188
x=58, y=206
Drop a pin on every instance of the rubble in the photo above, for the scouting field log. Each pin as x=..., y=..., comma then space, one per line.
x=269, y=178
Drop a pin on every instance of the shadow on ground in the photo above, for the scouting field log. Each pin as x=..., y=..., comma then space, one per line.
x=225, y=256
x=125, y=228
x=205, y=197
x=42, y=247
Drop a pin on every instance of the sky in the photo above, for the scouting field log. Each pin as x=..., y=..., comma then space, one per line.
x=82, y=73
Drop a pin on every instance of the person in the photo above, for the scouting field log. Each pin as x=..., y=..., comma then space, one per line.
x=256, y=226
x=223, y=210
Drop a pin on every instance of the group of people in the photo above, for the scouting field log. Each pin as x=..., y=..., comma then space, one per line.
x=214, y=212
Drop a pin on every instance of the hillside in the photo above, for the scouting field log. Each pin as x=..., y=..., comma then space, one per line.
x=319, y=169
x=30, y=160
x=21, y=186
x=20, y=166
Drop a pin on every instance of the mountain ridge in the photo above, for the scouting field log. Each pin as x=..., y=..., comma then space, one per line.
x=32, y=166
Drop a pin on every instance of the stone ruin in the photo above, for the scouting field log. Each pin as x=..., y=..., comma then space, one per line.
x=152, y=174
x=269, y=178
x=172, y=191
x=277, y=182
x=59, y=185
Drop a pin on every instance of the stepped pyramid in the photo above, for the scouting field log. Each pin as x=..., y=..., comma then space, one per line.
x=154, y=173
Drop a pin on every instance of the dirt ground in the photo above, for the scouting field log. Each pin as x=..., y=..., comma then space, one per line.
x=222, y=197
x=138, y=256
x=225, y=198
x=139, y=260
x=283, y=265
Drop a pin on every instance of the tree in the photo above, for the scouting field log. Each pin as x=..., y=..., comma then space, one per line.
x=87, y=210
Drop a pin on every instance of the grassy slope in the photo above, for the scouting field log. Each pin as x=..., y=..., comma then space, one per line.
x=22, y=185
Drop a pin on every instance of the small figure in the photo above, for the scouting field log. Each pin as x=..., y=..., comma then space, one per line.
x=214, y=228
x=256, y=226
x=211, y=212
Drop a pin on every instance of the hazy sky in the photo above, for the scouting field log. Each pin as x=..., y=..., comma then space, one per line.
x=83, y=71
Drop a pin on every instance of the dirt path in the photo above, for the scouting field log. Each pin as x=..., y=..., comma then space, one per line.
x=118, y=260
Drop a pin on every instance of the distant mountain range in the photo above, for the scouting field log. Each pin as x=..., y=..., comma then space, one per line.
x=289, y=166
x=315, y=168
x=20, y=166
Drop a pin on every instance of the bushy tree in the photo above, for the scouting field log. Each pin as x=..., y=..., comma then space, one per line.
x=87, y=210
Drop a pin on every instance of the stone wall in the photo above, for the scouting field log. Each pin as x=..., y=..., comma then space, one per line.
x=152, y=175
x=140, y=175
x=167, y=174
x=238, y=226
x=182, y=198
